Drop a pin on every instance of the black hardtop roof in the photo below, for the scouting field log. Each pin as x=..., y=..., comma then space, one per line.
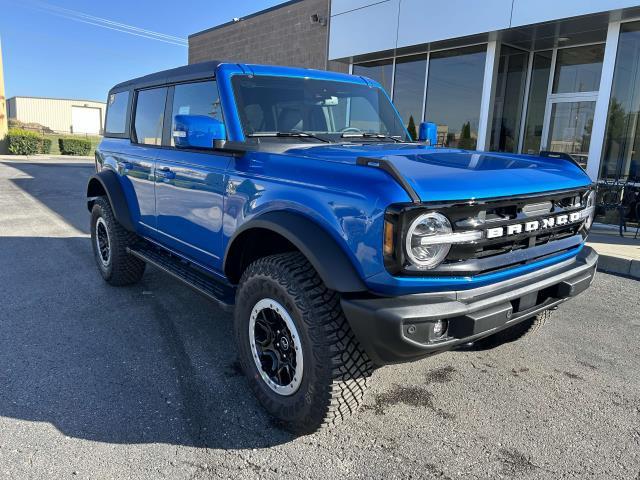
x=179, y=74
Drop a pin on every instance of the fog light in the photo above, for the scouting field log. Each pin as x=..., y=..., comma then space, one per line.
x=439, y=328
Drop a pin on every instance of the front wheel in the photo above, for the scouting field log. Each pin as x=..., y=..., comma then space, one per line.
x=302, y=360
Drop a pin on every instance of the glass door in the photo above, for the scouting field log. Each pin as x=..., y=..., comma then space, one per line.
x=569, y=125
x=573, y=91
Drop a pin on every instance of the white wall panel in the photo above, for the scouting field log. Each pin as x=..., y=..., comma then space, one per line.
x=342, y=6
x=51, y=112
x=368, y=29
x=423, y=21
x=526, y=12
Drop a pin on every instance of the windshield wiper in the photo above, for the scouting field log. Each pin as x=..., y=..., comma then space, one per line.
x=371, y=135
x=291, y=134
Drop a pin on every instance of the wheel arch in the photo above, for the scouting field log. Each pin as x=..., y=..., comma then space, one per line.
x=288, y=231
x=106, y=183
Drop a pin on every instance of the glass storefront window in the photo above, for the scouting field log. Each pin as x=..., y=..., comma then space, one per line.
x=454, y=93
x=537, y=102
x=381, y=71
x=408, y=90
x=621, y=157
x=507, y=112
x=578, y=69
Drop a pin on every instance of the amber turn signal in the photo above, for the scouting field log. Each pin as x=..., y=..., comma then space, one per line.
x=388, y=238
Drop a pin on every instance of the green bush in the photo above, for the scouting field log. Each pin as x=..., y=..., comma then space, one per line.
x=74, y=146
x=45, y=146
x=24, y=142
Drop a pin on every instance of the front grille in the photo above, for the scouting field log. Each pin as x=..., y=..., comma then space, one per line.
x=489, y=255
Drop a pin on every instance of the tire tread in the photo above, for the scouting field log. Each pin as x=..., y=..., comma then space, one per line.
x=347, y=366
x=125, y=268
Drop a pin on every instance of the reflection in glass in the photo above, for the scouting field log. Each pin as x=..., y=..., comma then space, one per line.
x=381, y=71
x=570, y=129
x=537, y=102
x=622, y=140
x=454, y=93
x=510, y=83
x=408, y=90
x=578, y=69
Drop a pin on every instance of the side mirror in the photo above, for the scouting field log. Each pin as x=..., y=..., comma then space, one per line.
x=428, y=133
x=197, y=131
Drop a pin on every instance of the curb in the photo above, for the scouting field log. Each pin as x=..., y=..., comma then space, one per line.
x=619, y=266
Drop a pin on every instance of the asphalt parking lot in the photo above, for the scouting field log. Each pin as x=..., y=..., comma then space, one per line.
x=142, y=382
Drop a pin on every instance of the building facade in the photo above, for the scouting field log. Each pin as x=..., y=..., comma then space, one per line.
x=516, y=76
x=59, y=115
x=506, y=75
x=3, y=110
x=294, y=33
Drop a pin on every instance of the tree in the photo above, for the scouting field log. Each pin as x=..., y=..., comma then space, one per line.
x=465, y=141
x=412, y=128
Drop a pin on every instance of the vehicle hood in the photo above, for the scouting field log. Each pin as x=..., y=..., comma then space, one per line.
x=439, y=174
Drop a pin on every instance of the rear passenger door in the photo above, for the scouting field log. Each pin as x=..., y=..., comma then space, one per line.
x=137, y=162
x=190, y=183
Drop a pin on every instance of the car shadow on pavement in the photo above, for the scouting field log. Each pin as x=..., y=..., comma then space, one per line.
x=151, y=363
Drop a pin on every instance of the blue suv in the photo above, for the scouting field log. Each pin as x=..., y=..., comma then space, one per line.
x=298, y=199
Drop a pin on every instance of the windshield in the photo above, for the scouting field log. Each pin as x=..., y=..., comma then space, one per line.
x=316, y=110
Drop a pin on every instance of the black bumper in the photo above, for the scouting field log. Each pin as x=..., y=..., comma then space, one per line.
x=400, y=329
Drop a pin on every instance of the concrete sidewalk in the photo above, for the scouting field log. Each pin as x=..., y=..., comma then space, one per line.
x=620, y=255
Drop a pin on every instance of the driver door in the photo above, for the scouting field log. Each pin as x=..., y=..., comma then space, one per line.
x=190, y=183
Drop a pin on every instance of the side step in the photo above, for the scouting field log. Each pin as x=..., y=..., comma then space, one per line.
x=221, y=293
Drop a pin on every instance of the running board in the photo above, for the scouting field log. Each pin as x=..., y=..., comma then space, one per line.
x=221, y=293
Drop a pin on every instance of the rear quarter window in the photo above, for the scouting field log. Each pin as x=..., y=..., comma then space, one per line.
x=117, y=108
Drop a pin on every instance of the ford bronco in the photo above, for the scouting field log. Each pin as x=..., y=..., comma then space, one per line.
x=298, y=199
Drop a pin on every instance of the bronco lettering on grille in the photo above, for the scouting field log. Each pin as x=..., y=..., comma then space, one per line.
x=535, y=225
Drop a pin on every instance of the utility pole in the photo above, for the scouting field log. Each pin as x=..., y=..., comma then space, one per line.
x=4, y=121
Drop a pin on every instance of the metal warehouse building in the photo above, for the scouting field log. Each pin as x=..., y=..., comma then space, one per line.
x=59, y=115
x=515, y=76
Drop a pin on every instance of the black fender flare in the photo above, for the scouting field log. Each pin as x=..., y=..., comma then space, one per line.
x=332, y=263
x=107, y=181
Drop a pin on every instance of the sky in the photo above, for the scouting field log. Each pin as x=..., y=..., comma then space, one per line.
x=80, y=49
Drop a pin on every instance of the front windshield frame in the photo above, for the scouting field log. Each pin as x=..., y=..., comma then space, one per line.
x=326, y=103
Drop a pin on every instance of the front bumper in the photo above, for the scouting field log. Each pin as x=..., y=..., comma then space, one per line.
x=400, y=329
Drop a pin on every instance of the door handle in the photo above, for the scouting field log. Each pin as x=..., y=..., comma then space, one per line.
x=166, y=172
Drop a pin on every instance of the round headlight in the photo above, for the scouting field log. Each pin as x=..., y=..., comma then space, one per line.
x=591, y=209
x=423, y=250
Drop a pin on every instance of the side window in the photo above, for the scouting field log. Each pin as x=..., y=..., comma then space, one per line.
x=200, y=98
x=117, y=113
x=149, y=117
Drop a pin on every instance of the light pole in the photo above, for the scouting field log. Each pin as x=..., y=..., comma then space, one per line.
x=4, y=121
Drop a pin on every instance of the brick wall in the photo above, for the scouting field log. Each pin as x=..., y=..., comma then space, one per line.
x=281, y=36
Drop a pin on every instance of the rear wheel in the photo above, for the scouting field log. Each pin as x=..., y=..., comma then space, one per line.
x=301, y=358
x=531, y=326
x=110, y=240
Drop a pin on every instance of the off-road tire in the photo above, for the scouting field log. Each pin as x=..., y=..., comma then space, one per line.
x=531, y=326
x=122, y=268
x=336, y=369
